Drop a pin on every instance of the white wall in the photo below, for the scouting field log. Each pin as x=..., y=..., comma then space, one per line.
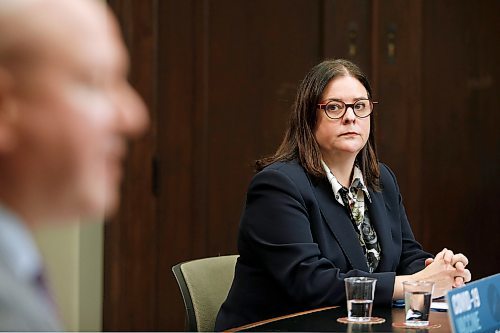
x=74, y=259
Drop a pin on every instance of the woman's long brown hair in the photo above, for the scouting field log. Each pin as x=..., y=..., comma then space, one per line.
x=299, y=141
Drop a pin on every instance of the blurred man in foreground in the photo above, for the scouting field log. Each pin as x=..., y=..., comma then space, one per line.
x=66, y=110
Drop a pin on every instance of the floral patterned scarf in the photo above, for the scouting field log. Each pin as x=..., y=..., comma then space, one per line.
x=353, y=198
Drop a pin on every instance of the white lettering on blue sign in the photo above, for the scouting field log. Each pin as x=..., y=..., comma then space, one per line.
x=475, y=297
x=464, y=301
x=469, y=323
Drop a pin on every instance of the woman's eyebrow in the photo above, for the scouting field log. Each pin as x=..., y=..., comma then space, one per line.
x=340, y=100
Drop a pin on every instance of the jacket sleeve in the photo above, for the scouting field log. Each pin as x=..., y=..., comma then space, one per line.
x=275, y=230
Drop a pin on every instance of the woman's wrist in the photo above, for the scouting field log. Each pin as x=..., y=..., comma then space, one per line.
x=398, y=286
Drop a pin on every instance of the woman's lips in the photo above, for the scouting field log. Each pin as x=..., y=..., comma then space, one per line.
x=349, y=134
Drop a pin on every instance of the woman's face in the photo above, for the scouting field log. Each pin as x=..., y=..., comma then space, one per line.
x=346, y=136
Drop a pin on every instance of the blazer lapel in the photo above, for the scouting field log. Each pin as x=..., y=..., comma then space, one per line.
x=380, y=221
x=340, y=224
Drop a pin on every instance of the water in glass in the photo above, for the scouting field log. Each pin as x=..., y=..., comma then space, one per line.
x=417, y=305
x=359, y=309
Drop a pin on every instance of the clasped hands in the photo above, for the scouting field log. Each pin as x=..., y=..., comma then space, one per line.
x=447, y=270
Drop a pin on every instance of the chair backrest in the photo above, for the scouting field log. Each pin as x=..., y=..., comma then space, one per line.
x=204, y=285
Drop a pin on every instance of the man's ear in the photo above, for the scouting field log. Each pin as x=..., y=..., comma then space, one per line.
x=8, y=112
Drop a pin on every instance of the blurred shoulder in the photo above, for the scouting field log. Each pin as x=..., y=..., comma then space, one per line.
x=21, y=306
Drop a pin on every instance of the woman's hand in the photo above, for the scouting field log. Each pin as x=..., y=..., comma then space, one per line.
x=441, y=272
x=459, y=261
x=446, y=270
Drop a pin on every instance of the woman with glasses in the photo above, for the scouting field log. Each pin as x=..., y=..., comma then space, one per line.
x=323, y=208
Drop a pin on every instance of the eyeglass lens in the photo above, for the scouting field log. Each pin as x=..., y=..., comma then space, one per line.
x=336, y=109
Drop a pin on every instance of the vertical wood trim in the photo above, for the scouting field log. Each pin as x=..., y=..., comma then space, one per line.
x=416, y=180
x=323, y=12
x=134, y=226
x=201, y=124
x=397, y=79
x=156, y=156
x=176, y=143
x=375, y=32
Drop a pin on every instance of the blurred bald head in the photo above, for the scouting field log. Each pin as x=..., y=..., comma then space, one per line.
x=32, y=28
x=66, y=108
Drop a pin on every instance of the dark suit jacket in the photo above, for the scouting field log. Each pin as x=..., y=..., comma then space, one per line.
x=297, y=244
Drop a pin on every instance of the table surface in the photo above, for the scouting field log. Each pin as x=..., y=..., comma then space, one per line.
x=325, y=320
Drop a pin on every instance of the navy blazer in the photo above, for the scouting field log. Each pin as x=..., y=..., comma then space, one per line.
x=297, y=244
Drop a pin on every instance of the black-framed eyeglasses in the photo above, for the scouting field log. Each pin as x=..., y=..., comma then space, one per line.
x=336, y=109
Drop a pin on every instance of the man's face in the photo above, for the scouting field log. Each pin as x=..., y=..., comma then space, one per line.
x=75, y=111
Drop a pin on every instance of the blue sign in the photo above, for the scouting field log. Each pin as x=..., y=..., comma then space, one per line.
x=475, y=307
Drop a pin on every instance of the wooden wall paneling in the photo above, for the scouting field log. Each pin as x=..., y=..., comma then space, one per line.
x=461, y=147
x=130, y=237
x=201, y=124
x=181, y=224
x=220, y=78
x=225, y=81
x=397, y=81
x=258, y=53
x=346, y=33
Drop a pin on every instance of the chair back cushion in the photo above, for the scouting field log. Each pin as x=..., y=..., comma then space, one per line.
x=208, y=281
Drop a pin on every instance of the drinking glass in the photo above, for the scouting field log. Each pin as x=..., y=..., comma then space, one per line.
x=360, y=292
x=418, y=297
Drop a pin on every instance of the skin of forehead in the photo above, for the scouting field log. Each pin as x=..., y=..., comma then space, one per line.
x=35, y=30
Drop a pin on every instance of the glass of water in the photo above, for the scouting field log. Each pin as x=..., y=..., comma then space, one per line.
x=359, y=292
x=418, y=298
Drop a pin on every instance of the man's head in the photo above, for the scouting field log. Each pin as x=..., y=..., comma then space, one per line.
x=66, y=108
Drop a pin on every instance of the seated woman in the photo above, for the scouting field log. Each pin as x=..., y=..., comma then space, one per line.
x=322, y=208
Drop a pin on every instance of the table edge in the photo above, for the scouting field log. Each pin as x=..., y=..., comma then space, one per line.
x=252, y=325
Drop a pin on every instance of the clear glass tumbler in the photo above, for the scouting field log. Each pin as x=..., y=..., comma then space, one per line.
x=360, y=292
x=418, y=298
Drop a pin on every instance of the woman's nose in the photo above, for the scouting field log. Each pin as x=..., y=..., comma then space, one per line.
x=349, y=115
